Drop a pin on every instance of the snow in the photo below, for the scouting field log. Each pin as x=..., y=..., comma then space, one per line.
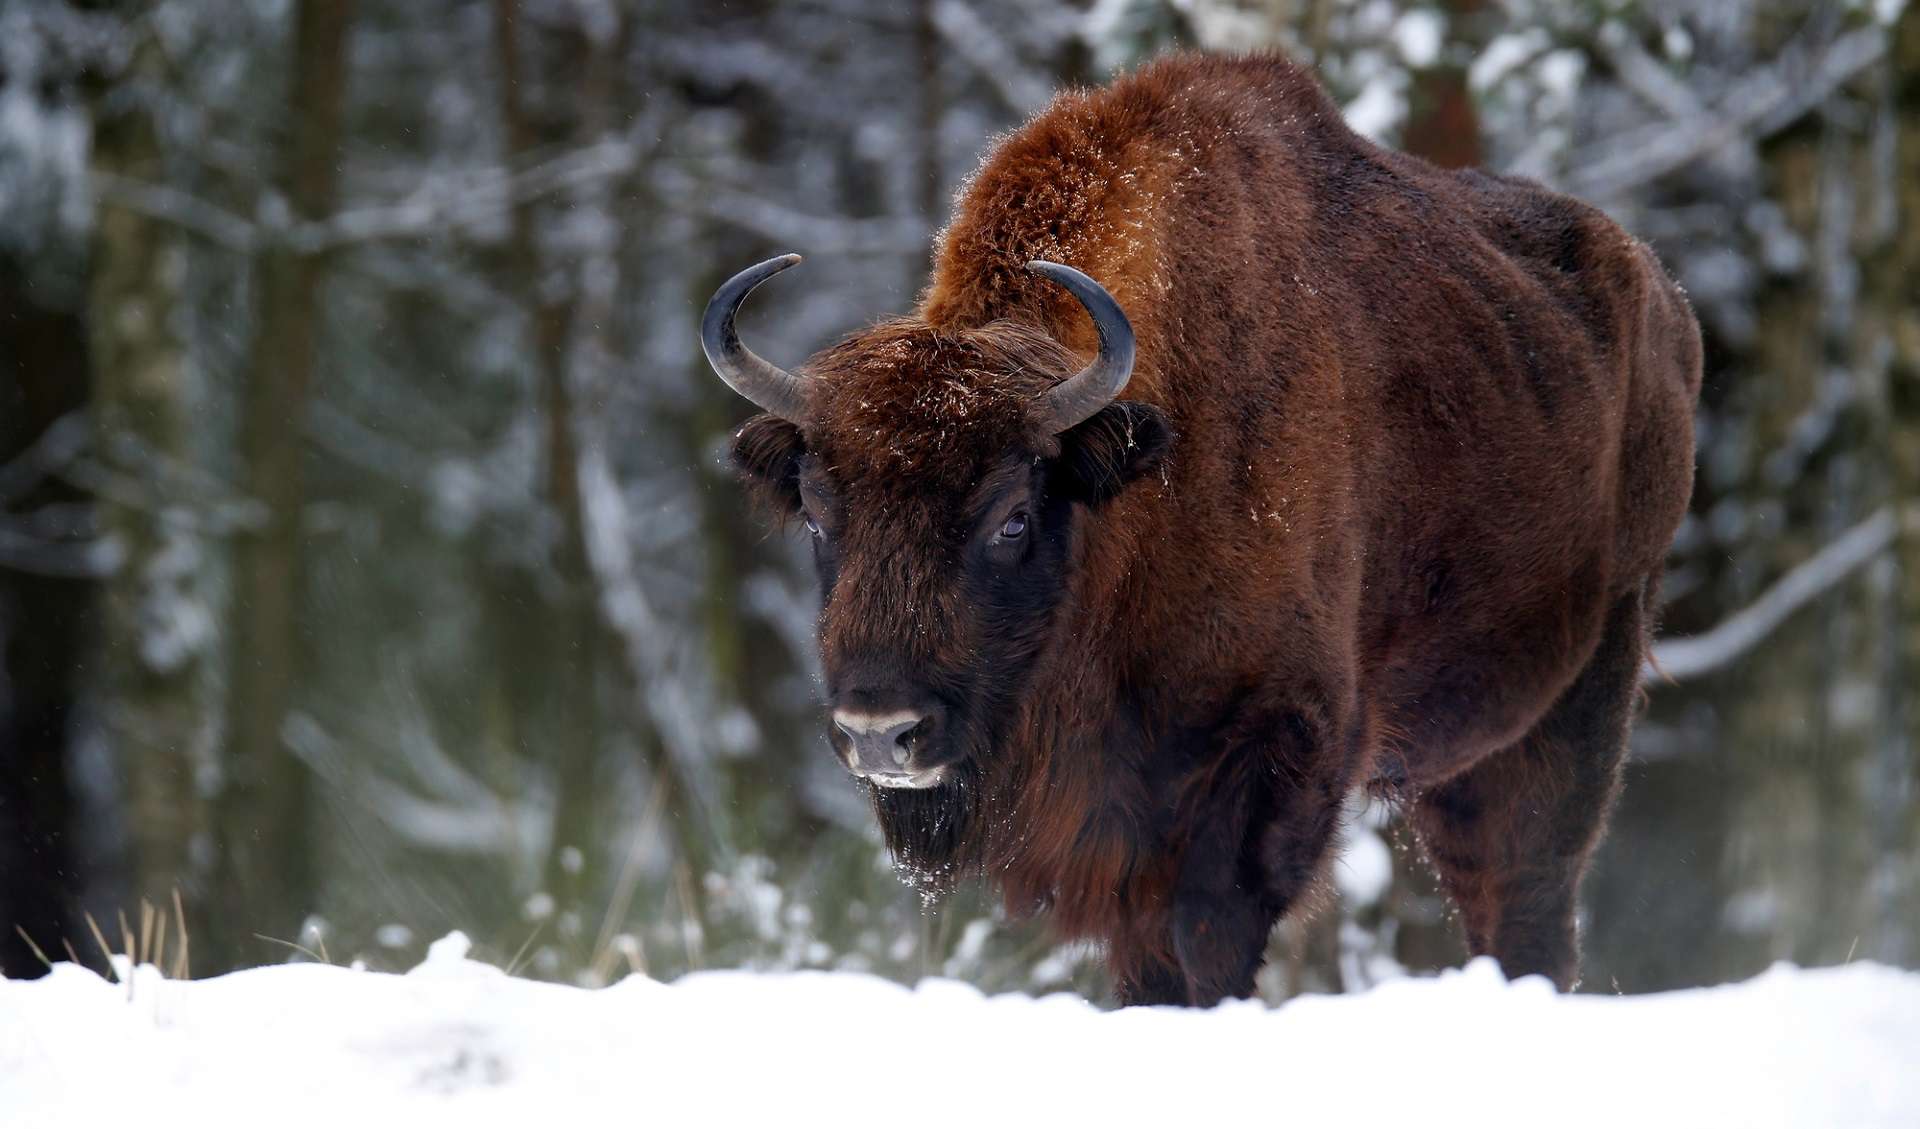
x=461, y=1043
x=1419, y=34
x=1560, y=72
x=1378, y=107
x=1506, y=53
x=1364, y=871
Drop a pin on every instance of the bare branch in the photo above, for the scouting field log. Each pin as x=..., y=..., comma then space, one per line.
x=472, y=199
x=437, y=803
x=208, y=513
x=819, y=235
x=72, y=560
x=481, y=197
x=1761, y=104
x=1645, y=76
x=1695, y=655
x=183, y=209
x=647, y=648
x=62, y=441
x=1023, y=89
x=484, y=197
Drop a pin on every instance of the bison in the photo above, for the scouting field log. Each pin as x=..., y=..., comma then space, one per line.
x=1230, y=463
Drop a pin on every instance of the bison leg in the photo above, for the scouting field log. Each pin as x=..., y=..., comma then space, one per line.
x=1511, y=835
x=1259, y=837
x=1150, y=983
x=1221, y=919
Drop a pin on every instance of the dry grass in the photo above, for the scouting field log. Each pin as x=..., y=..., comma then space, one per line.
x=38, y=954
x=513, y=965
x=320, y=957
x=150, y=944
x=157, y=936
x=612, y=944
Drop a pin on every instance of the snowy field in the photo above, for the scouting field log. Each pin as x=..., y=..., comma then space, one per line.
x=458, y=1043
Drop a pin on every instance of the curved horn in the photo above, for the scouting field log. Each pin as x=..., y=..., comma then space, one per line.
x=773, y=388
x=1079, y=397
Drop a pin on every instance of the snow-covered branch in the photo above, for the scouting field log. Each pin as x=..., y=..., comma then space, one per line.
x=646, y=644
x=182, y=209
x=1758, y=105
x=75, y=560
x=481, y=197
x=815, y=234
x=484, y=197
x=437, y=802
x=1023, y=89
x=62, y=442
x=1695, y=655
x=1645, y=76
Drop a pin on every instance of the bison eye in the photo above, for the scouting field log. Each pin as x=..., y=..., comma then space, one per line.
x=1015, y=526
x=813, y=526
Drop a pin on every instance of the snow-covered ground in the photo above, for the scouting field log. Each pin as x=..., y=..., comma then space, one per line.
x=458, y=1043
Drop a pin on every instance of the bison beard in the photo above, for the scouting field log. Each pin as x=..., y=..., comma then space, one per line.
x=1385, y=504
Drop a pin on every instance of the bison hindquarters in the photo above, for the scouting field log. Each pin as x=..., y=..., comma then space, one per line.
x=1511, y=836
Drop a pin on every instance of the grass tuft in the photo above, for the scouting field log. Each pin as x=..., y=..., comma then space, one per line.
x=181, y=967
x=42, y=957
x=106, y=950
x=149, y=944
x=317, y=958
x=514, y=964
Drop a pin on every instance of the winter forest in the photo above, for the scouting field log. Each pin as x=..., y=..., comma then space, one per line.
x=370, y=567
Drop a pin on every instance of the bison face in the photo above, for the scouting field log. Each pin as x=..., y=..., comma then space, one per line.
x=933, y=611
x=942, y=576
x=941, y=476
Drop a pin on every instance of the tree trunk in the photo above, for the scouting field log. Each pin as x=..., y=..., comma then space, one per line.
x=44, y=622
x=266, y=873
x=156, y=650
x=931, y=105
x=1443, y=124
x=1893, y=293
x=566, y=636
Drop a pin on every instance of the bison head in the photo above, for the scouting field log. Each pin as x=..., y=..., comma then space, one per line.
x=941, y=476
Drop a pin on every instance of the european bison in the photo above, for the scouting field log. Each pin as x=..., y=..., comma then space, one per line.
x=1386, y=503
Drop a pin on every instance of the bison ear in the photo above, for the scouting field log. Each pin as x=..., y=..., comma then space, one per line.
x=766, y=454
x=1121, y=442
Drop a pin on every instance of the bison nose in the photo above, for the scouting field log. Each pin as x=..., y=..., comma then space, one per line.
x=881, y=741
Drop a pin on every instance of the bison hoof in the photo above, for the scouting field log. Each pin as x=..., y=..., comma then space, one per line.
x=1219, y=943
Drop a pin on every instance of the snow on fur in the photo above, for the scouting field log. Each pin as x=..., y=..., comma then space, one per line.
x=460, y=1043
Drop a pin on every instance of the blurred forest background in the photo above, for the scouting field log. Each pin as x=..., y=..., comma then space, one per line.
x=369, y=568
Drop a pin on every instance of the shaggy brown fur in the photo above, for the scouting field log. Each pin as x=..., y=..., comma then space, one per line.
x=1386, y=502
